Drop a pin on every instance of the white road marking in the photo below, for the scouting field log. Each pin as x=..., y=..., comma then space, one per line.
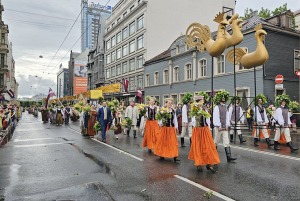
x=36, y=139
x=37, y=145
x=204, y=188
x=260, y=152
x=119, y=150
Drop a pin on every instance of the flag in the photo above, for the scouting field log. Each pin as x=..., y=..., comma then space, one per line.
x=139, y=94
x=10, y=93
x=125, y=84
x=50, y=94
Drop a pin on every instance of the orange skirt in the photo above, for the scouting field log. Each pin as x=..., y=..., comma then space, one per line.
x=261, y=135
x=282, y=139
x=203, y=150
x=167, y=143
x=151, y=134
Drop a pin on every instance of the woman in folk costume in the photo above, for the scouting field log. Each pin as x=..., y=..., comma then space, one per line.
x=203, y=150
x=167, y=143
x=92, y=117
x=116, y=124
x=282, y=118
x=236, y=118
x=59, y=116
x=221, y=121
x=151, y=128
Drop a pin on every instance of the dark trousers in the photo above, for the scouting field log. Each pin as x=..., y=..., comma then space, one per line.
x=250, y=123
x=103, y=128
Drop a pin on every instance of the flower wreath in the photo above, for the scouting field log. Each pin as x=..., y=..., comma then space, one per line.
x=219, y=96
x=282, y=97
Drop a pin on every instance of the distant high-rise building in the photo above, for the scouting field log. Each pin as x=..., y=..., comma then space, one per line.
x=92, y=16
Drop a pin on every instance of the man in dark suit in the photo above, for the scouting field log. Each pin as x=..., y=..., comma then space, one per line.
x=104, y=117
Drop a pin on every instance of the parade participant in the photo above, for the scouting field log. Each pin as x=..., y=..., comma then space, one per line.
x=236, y=115
x=179, y=117
x=122, y=109
x=151, y=129
x=203, y=150
x=44, y=112
x=59, y=116
x=186, y=118
x=167, y=143
x=249, y=116
x=67, y=114
x=92, y=116
x=221, y=121
x=104, y=117
x=282, y=117
x=116, y=124
x=261, y=120
x=133, y=114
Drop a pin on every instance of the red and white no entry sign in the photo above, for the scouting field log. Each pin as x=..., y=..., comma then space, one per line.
x=298, y=73
x=279, y=79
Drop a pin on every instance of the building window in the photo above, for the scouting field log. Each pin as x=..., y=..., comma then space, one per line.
x=202, y=68
x=108, y=45
x=131, y=28
x=131, y=65
x=140, y=42
x=118, y=37
x=131, y=84
x=2, y=60
x=125, y=50
x=140, y=22
x=108, y=59
x=112, y=25
x=124, y=14
x=132, y=46
x=107, y=73
x=176, y=74
x=139, y=62
x=156, y=78
x=95, y=77
x=175, y=98
x=113, y=56
x=131, y=8
x=1, y=79
x=220, y=64
x=113, y=41
x=125, y=33
x=113, y=71
x=118, y=20
x=239, y=66
x=188, y=72
x=124, y=67
x=119, y=72
x=147, y=80
x=166, y=77
x=3, y=38
x=140, y=82
x=165, y=97
x=119, y=53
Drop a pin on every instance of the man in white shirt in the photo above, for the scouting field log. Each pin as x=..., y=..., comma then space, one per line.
x=236, y=118
x=133, y=114
x=186, y=118
x=282, y=116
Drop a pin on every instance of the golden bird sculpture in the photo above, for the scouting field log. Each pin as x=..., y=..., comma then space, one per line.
x=256, y=58
x=237, y=36
x=199, y=36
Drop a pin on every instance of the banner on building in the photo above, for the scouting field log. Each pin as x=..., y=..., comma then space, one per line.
x=113, y=88
x=80, y=85
x=95, y=94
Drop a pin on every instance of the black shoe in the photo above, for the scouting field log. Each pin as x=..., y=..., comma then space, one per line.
x=293, y=149
x=276, y=145
x=210, y=168
x=128, y=131
x=228, y=155
x=176, y=159
x=161, y=158
x=268, y=141
x=241, y=139
x=134, y=134
x=256, y=142
x=182, y=142
x=149, y=151
x=199, y=169
x=231, y=138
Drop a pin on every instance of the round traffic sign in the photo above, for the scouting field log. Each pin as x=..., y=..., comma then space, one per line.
x=279, y=79
x=297, y=73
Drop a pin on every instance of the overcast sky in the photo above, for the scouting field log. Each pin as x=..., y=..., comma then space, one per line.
x=33, y=35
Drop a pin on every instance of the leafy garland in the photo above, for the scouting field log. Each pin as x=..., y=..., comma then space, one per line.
x=294, y=106
x=205, y=95
x=127, y=122
x=163, y=114
x=113, y=105
x=142, y=108
x=235, y=99
x=219, y=96
x=187, y=98
x=262, y=97
x=97, y=126
x=282, y=97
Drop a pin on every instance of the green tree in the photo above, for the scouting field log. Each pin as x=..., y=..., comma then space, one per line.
x=264, y=13
x=279, y=10
x=248, y=13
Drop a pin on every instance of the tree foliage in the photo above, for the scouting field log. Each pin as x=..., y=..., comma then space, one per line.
x=264, y=12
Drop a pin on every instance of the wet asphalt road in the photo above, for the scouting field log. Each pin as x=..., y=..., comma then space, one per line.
x=47, y=162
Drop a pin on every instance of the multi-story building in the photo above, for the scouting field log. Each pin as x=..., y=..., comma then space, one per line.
x=138, y=30
x=297, y=19
x=62, y=82
x=71, y=63
x=95, y=69
x=3, y=51
x=11, y=83
x=180, y=69
x=92, y=19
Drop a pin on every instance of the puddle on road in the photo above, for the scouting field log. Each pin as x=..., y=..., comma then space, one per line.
x=104, y=167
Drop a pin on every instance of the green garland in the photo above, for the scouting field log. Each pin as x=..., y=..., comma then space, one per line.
x=262, y=97
x=294, y=106
x=205, y=95
x=219, y=96
x=282, y=97
x=187, y=98
x=235, y=99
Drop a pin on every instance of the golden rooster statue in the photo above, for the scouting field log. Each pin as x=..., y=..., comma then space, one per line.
x=200, y=37
x=256, y=58
x=237, y=35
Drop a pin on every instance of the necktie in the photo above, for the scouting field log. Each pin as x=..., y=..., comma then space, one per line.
x=105, y=113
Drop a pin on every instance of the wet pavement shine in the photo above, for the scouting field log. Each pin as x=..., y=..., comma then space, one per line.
x=48, y=162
